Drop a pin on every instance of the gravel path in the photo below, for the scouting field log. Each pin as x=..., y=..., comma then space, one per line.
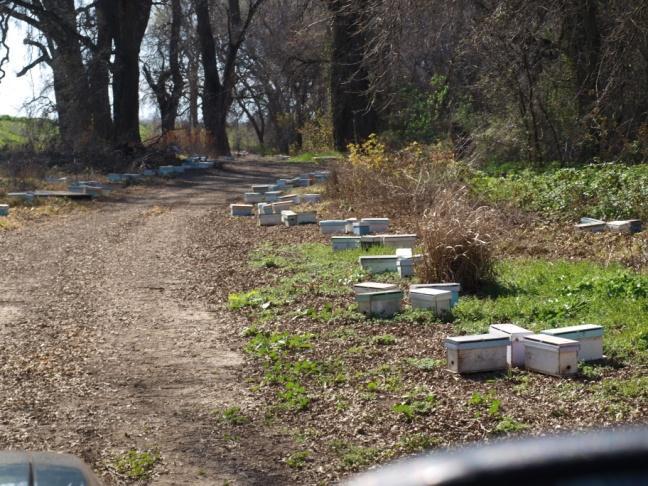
x=108, y=342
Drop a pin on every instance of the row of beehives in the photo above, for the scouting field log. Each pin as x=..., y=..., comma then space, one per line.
x=192, y=163
x=274, y=208
x=593, y=225
x=553, y=352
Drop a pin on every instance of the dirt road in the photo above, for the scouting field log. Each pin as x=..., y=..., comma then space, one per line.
x=108, y=342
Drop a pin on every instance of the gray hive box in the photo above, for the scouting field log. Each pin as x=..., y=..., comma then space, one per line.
x=269, y=219
x=551, y=355
x=311, y=198
x=340, y=243
x=260, y=188
x=332, y=226
x=307, y=217
x=4, y=210
x=289, y=218
x=455, y=288
x=479, y=353
x=515, y=348
x=399, y=241
x=627, y=226
x=369, y=241
x=241, y=209
x=379, y=263
x=377, y=225
x=590, y=337
x=383, y=304
x=349, y=225
x=253, y=197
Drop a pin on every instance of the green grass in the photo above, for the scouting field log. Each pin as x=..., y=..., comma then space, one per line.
x=136, y=464
x=310, y=156
x=17, y=131
x=541, y=294
x=234, y=416
x=608, y=191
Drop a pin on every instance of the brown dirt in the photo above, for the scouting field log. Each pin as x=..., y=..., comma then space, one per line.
x=108, y=341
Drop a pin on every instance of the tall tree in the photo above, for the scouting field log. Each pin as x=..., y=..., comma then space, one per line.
x=218, y=88
x=354, y=116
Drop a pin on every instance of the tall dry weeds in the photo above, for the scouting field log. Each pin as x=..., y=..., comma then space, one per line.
x=457, y=239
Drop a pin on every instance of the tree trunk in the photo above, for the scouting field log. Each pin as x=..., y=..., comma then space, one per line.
x=99, y=72
x=354, y=118
x=132, y=19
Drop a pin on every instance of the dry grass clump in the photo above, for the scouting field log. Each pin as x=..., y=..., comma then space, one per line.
x=457, y=242
x=405, y=181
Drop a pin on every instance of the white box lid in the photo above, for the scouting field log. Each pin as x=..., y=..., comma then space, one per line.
x=404, y=252
x=440, y=286
x=375, y=220
x=573, y=332
x=394, y=237
x=288, y=213
x=431, y=292
x=376, y=286
x=510, y=329
x=476, y=341
x=345, y=238
x=332, y=222
x=550, y=340
x=246, y=206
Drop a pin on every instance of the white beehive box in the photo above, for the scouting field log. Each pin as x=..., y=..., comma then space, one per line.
x=436, y=300
x=379, y=263
x=515, y=348
x=474, y=354
x=551, y=355
x=289, y=218
x=277, y=207
x=377, y=225
x=269, y=219
x=307, y=217
x=332, y=227
x=404, y=252
x=241, y=209
x=455, y=288
x=294, y=198
x=399, y=241
x=311, y=198
x=627, y=226
x=264, y=208
x=405, y=266
x=340, y=243
x=4, y=210
x=372, y=287
x=590, y=337
x=272, y=196
x=253, y=197
x=383, y=304
x=349, y=224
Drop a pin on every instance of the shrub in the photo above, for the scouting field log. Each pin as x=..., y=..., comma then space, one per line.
x=457, y=242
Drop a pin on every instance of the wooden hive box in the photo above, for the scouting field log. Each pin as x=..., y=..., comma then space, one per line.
x=241, y=209
x=479, y=353
x=289, y=218
x=372, y=287
x=379, y=263
x=399, y=241
x=361, y=229
x=455, y=288
x=551, y=355
x=590, y=337
x=433, y=299
x=269, y=219
x=253, y=197
x=340, y=243
x=515, y=348
x=377, y=225
x=383, y=304
x=332, y=226
x=307, y=217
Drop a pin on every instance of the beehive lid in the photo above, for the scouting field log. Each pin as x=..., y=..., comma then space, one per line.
x=546, y=339
x=253, y=194
x=345, y=238
x=476, y=341
x=395, y=237
x=332, y=222
x=288, y=213
x=576, y=332
x=404, y=252
x=376, y=286
x=510, y=329
x=371, y=239
x=378, y=257
x=441, y=294
x=386, y=295
x=375, y=220
x=351, y=220
x=234, y=206
x=440, y=286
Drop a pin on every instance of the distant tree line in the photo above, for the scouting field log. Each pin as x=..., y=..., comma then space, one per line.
x=563, y=80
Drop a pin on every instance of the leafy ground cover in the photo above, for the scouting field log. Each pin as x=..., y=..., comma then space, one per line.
x=354, y=391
